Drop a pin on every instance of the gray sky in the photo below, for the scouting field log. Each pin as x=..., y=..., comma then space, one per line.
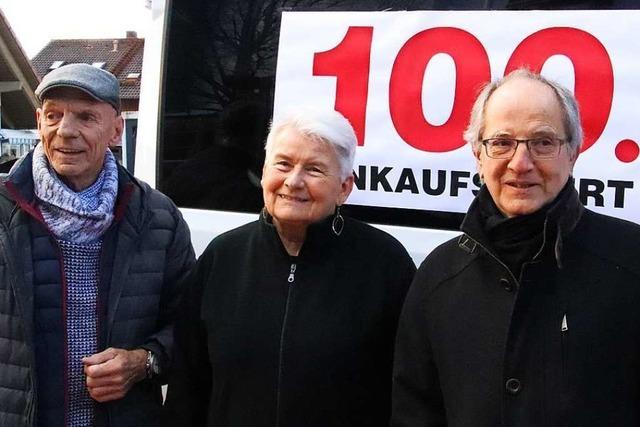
x=35, y=22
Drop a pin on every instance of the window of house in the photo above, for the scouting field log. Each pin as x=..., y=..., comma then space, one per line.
x=56, y=64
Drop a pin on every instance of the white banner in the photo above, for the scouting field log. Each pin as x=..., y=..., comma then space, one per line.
x=406, y=81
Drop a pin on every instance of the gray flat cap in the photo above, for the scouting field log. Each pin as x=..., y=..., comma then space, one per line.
x=95, y=82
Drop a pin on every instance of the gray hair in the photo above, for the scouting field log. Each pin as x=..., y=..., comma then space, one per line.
x=325, y=125
x=567, y=101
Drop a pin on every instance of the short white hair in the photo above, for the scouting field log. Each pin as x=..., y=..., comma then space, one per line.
x=326, y=125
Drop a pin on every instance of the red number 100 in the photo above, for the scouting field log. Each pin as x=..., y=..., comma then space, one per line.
x=349, y=63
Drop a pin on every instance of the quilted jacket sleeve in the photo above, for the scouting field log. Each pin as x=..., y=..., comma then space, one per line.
x=179, y=260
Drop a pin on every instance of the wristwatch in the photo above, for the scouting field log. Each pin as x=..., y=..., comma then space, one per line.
x=152, y=367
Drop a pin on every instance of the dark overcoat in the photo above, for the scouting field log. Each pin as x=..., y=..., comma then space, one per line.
x=265, y=339
x=557, y=346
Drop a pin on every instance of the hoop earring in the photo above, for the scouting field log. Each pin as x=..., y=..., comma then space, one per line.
x=337, y=225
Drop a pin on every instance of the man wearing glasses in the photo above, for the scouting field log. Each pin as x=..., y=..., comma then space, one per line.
x=532, y=316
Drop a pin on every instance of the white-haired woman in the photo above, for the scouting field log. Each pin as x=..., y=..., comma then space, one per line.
x=290, y=320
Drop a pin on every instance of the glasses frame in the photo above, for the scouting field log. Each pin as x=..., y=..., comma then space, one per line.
x=527, y=142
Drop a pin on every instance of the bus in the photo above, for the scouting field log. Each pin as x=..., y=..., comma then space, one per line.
x=404, y=72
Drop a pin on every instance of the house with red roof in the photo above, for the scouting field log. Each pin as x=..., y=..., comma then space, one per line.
x=18, y=102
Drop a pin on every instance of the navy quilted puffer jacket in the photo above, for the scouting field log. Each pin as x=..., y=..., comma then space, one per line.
x=146, y=252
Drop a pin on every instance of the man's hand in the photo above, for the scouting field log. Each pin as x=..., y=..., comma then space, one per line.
x=111, y=373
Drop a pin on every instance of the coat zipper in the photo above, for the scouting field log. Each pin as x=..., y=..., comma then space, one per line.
x=564, y=330
x=292, y=273
x=291, y=279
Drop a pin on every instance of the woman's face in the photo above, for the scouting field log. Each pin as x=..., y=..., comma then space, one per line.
x=301, y=182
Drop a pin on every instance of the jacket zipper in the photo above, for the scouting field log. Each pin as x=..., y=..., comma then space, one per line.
x=290, y=280
x=63, y=285
x=292, y=273
x=65, y=331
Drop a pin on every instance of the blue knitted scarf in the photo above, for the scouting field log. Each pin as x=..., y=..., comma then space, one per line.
x=78, y=220
x=78, y=217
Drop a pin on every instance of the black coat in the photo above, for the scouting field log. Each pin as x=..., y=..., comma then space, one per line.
x=145, y=252
x=557, y=346
x=273, y=340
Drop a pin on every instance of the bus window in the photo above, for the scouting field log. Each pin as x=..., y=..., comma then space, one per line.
x=221, y=63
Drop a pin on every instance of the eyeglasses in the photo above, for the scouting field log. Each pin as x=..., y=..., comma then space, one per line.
x=539, y=148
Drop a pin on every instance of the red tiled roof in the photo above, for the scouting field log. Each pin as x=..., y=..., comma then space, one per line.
x=121, y=57
x=130, y=88
x=18, y=107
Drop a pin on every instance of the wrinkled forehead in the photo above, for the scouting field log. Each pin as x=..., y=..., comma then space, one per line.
x=525, y=92
x=523, y=89
x=523, y=100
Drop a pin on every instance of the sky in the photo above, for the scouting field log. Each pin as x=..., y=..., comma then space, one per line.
x=35, y=22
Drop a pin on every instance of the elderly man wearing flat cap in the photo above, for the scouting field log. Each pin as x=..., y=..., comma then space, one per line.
x=90, y=261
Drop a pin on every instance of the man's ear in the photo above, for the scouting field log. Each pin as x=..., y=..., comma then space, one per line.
x=477, y=153
x=573, y=156
x=117, y=131
x=38, y=114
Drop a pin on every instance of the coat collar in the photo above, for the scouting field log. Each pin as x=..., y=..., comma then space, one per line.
x=319, y=239
x=561, y=219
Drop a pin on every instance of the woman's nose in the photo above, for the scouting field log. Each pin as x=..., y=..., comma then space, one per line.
x=295, y=178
